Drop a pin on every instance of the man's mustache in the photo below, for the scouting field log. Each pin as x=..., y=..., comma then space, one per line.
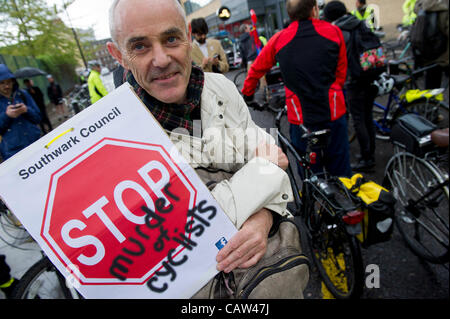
x=156, y=73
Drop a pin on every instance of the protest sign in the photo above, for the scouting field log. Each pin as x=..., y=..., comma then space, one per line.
x=111, y=202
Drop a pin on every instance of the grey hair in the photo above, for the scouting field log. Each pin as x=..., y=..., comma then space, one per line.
x=112, y=9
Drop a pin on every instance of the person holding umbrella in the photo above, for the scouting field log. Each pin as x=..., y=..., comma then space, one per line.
x=19, y=116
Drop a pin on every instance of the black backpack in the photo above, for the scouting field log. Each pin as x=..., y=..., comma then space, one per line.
x=428, y=42
x=366, y=57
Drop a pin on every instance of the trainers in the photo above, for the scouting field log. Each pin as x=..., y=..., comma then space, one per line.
x=363, y=165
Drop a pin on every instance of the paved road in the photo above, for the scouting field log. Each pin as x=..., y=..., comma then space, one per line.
x=402, y=274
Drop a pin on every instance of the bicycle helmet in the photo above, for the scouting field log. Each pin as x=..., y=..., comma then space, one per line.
x=384, y=83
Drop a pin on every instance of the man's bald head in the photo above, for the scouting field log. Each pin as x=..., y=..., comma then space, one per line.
x=114, y=21
x=299, y=10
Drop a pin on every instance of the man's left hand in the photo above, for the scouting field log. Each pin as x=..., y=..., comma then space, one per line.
x=248, y=245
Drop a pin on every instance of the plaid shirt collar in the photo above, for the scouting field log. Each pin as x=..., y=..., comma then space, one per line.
x=172, y=116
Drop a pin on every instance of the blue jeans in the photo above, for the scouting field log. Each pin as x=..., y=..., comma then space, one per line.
x=336, y=157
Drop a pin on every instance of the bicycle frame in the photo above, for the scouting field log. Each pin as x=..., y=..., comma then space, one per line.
x=310, y=179
x=395, y=103
x=388, y=112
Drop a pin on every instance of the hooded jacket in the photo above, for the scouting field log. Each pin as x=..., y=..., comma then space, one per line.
x=349, y=23
x=18, y=133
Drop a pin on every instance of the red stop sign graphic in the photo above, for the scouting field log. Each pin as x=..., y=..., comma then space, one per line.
x=95, y=204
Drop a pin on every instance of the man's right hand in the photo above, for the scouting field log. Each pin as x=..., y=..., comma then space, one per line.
x=15, y=110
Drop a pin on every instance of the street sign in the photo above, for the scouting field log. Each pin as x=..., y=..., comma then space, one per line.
x=224, y=13
x=136, y=175
x=115, y=206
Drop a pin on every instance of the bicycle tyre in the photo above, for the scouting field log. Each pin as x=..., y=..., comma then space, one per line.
x=425, y=233
x=331, y=241
x=239, y=79
x=54, y=280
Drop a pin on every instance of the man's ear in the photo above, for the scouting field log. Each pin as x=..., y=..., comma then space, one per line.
x=115, y=53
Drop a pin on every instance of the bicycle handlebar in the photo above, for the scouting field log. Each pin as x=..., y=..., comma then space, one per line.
x=307, y=134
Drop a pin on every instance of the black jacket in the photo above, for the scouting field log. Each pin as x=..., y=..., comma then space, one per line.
x=54, y=93
x=357, y=37
x=247, y=47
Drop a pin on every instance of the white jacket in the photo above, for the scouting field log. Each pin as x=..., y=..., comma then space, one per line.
x=228, y=141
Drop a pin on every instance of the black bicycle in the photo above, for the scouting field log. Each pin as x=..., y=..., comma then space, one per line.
x=326, y=213
x=418, y=176
x=44, y=281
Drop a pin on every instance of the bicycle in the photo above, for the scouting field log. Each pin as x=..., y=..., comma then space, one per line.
x=401, y=46
x=13, y=233
x=41, y=280
x=421, y=188
x=326, y=213
x=431, y=108
x=78, y=99
x=239, y=78
x=44, y=281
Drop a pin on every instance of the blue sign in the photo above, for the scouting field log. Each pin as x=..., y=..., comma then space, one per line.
x=221, y=243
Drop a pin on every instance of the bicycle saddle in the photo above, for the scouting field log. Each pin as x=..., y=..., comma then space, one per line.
x=399, y=61
x=400, y=79
x=440, y=137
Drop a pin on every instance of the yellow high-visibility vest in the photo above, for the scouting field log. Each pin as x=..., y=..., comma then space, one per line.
x=368, y=13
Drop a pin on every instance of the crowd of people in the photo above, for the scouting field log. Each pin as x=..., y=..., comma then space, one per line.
x=178, y=74
x=333, y=34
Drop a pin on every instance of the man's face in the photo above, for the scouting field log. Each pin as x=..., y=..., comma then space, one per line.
x=154, y=45
x=200, y=37
x=6, y=87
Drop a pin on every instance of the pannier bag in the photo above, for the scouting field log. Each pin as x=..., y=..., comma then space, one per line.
x=412, y=132
x=378, y=204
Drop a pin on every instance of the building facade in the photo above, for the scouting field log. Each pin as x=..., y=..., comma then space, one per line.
x=271, y=15
x=102, y=55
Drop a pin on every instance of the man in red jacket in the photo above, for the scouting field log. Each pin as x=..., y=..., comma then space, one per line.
x=312, y=58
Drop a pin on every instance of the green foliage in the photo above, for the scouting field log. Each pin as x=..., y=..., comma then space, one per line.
x=31, y=28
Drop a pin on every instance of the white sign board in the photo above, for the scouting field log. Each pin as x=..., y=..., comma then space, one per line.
x=113, y=204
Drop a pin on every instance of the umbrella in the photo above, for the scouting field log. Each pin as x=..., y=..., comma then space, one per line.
x=28, y=72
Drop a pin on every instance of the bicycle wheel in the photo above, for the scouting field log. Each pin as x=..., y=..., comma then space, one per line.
x=43, y=281
x=336, y=254
x=432, y=110
x=424, y=228
x=239, y=79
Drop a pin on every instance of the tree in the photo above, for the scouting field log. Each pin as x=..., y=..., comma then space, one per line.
x=32, y=28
